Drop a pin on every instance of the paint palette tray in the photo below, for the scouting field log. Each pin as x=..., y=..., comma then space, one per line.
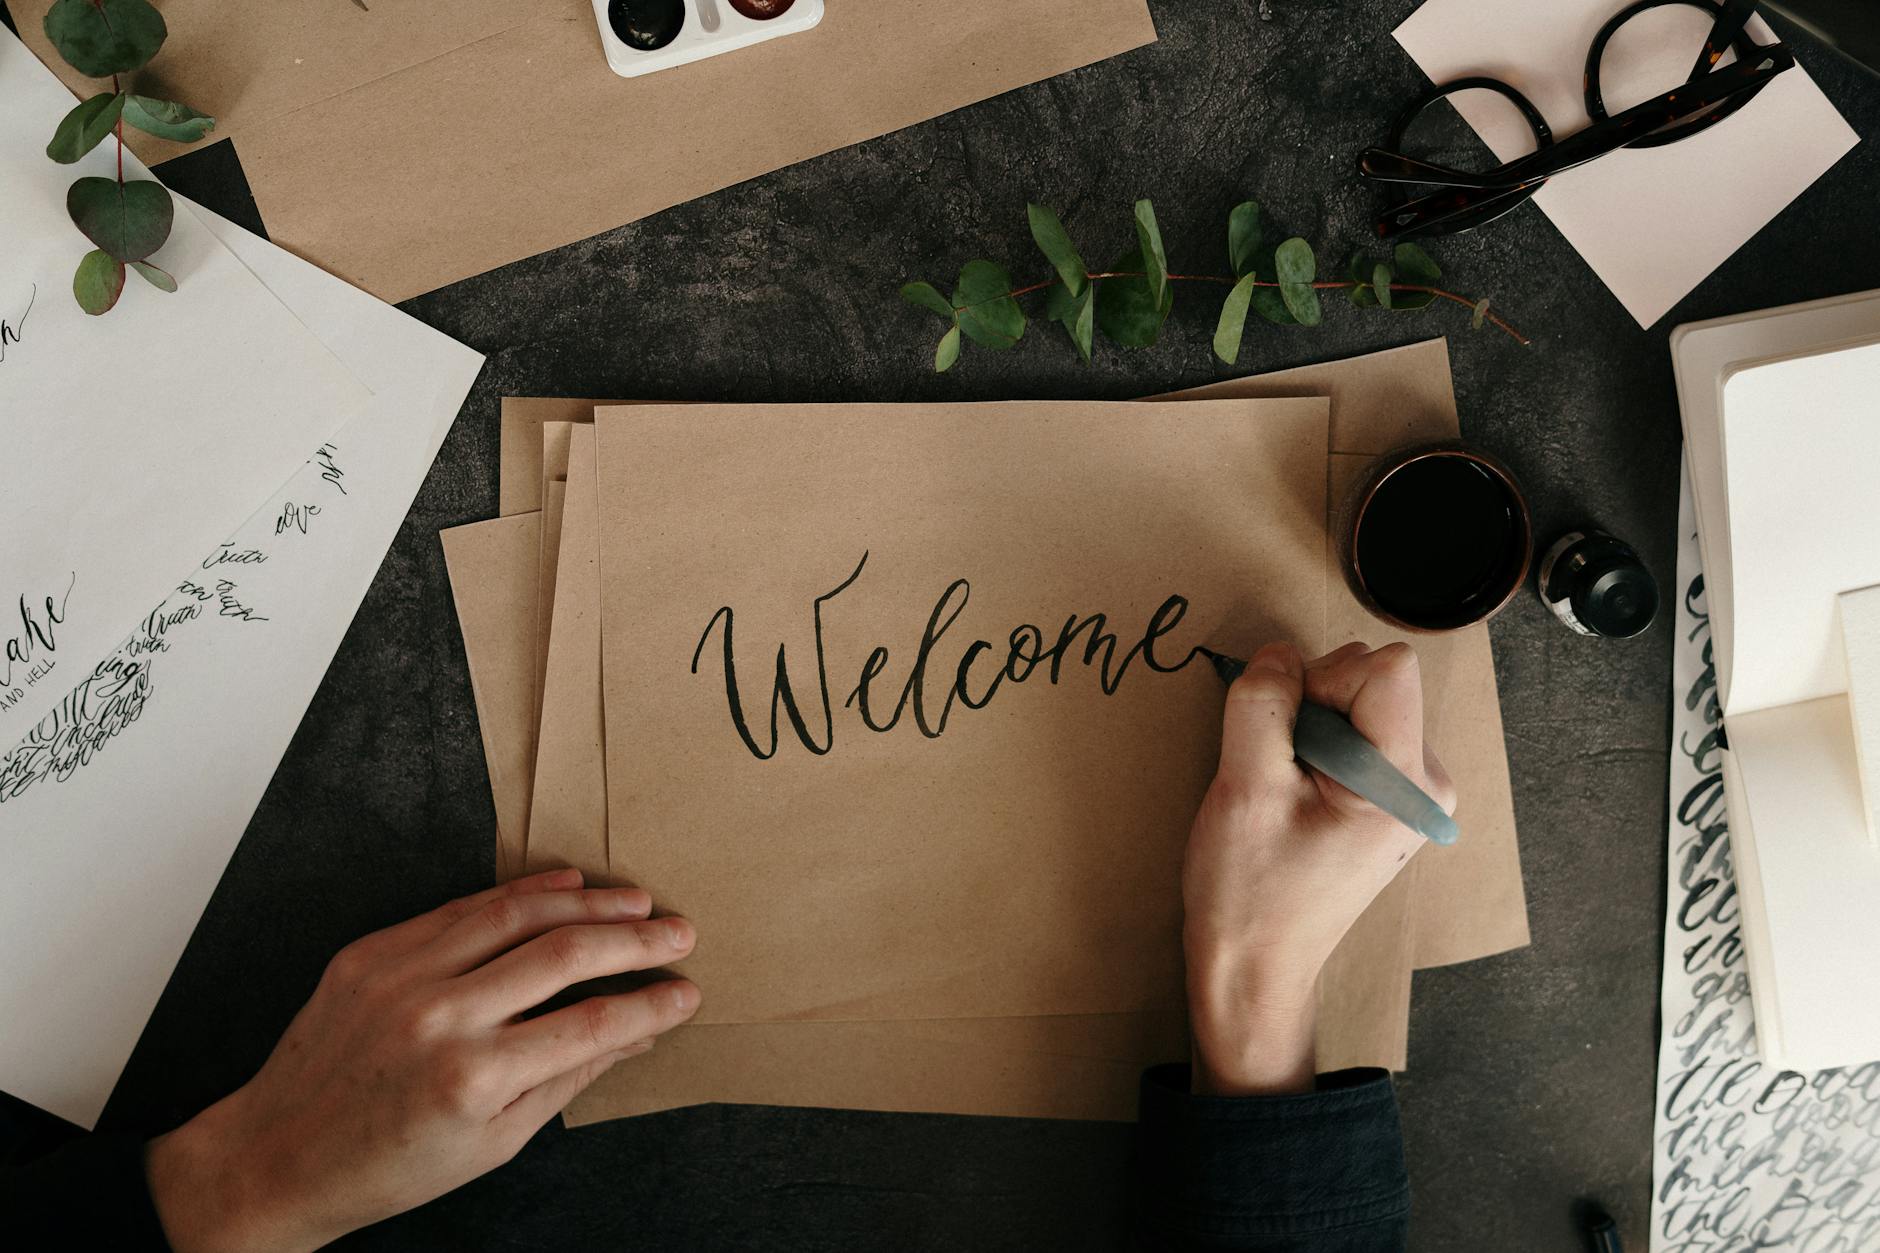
x=640, y=36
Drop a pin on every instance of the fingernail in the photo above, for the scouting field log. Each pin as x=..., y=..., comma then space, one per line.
x=684, y=996
x=678, y=933
x=568, y=877
x=1280, y=659
x=630, y=903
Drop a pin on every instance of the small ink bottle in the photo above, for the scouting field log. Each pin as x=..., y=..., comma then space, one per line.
x=1597, y=585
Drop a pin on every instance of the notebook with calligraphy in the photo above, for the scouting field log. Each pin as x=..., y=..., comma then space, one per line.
x=1782, y=449
x=1745, y=1156
x=119, y=810
x=136, y=441
x=873, y=670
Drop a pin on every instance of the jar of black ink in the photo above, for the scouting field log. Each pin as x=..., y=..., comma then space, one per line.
x=1597, y=585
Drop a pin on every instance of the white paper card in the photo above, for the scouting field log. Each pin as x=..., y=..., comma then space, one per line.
x=118, y=814
x=135, y=441
x=1651, y=223
x=1744, y=1155
x=1801, y=451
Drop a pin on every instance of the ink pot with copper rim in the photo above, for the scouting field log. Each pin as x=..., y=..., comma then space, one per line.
x=1435, y=537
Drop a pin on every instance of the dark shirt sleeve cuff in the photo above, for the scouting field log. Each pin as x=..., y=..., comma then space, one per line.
x=88, y=1193
x=1322, y=1170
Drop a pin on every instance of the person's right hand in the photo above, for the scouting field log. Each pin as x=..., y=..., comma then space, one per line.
x=1282, y=860
x=411, y=1070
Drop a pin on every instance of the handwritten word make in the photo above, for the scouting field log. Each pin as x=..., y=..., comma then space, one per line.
x=977, y=678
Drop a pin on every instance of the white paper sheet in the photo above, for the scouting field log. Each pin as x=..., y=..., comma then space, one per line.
x=1801, y=454
x=134, y=441
x=1702, y=354
x=119, y=813
x=1745, y=1156
x=1652, y=223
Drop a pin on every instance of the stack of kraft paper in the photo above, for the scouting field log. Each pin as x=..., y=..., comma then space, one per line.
x=893, y=702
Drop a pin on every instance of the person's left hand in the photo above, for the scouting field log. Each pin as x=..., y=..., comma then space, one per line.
x=411, y=1070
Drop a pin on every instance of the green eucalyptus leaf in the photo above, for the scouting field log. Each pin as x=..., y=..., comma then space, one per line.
x=156, y=276
x=1128, y=313
x=1056, y=245
x=99, y=282
x=1380, y=283
x=99, y=38
x=1297, y=268
x=1269, y=305
x=984, y=305
x=927, y=296
x=1243, y=237
x=1154, y=258
x=1360, y=268
x=1083, y=324
x=128, y=220
x=1233, y=323
x=1059, y=304
x=167, y=119
x=948, y=352
x=1415, y=266
x=81, y=130
x=1480, y=315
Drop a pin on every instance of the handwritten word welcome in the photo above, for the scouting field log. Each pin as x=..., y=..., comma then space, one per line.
x=1026, y=653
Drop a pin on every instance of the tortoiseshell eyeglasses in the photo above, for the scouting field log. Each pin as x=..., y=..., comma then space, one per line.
x=1464, y=200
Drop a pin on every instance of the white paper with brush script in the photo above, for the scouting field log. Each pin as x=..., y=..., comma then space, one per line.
x=1652, y=223
x=119, y=812
x=134, y=441
x=1745, y=1156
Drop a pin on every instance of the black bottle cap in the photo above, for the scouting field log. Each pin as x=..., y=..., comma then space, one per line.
x=1615, y=596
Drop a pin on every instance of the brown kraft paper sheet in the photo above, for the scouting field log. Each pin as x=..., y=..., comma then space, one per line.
x=403, y=147
x=905, y=785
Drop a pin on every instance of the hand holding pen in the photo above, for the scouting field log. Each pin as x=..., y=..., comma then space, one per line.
x=1282, y=859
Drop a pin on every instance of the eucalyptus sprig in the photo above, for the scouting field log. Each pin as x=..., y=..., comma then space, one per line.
x=127, y=221
x=1280, y=283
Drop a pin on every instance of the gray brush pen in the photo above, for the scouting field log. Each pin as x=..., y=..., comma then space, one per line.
x=1324, y=740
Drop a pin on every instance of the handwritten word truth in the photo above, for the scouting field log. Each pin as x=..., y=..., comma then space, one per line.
x=222, y=596
x=10, y=331
x=37, y=636
x=1026, y=652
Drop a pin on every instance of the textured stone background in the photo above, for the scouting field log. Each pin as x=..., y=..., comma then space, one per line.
x=1530, y=1080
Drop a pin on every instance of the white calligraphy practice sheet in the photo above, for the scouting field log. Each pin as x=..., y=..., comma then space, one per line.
x=1745, y=1156
x=121, y=808
x=132, y=440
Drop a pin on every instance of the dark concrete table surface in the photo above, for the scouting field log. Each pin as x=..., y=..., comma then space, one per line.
x=1531, y=1074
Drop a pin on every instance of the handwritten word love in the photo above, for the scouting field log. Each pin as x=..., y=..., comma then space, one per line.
x=1026, y=654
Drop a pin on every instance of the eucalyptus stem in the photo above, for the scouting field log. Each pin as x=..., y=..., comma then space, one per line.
x=1325, y=285
x=1280, y=284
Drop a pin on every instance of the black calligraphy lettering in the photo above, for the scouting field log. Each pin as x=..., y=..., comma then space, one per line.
x=1025, y=652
